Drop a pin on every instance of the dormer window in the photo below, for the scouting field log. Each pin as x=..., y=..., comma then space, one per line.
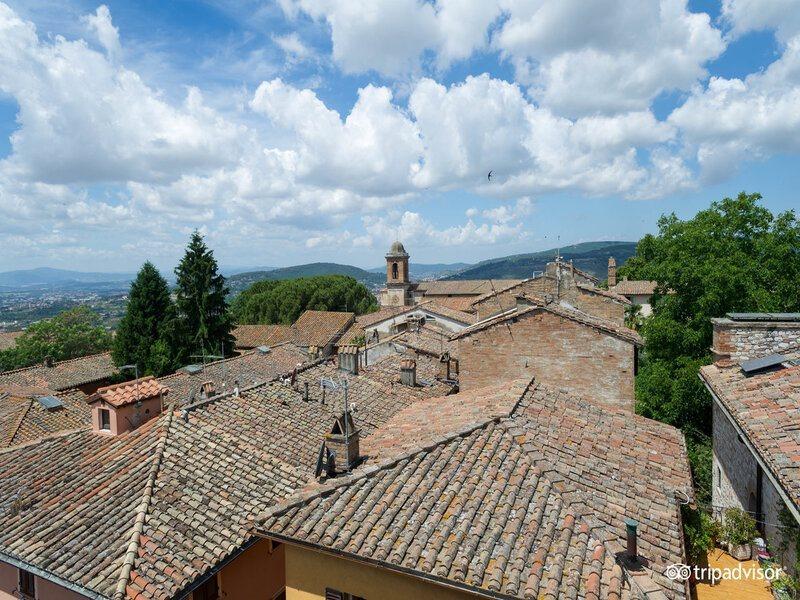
x=105, y=419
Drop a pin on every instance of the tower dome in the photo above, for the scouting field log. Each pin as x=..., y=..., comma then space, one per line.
x=397, y=250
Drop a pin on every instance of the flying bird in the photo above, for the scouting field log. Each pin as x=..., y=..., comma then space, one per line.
x=489, y=175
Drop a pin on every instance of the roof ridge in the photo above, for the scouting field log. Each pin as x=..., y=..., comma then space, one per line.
x=18, y=424
x=179, y=372
x=55, y=364
x=141, y=513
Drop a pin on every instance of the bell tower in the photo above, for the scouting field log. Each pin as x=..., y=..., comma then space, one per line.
x=397, y=280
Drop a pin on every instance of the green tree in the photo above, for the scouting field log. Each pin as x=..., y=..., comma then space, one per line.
x=70, y=334
x=735, y=256
x=273, y=301
x=143, y=333
x=201, y=303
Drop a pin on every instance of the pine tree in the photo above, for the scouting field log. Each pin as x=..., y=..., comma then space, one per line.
x=147, y=320
x=201, y=301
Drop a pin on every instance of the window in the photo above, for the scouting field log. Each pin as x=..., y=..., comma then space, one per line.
x=208, y=591
x=719, y=478
x=105, y=419
x=394, y=270
x=337, y=595
x=27, y=584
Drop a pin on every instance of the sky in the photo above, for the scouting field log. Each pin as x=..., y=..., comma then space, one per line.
x=298, y=131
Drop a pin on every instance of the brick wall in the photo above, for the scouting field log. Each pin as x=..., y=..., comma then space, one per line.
x=558, y=351
x=566, y=290
x=744, y=340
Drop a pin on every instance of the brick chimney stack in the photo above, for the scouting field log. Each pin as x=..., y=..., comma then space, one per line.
x=745, y=336
x=348, y=359
x=408, y=372
x=612, y=272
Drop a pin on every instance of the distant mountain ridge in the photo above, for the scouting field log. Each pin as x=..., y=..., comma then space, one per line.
x=591, y=257
x=429, y=271
x=49, y=276
x=241, y=281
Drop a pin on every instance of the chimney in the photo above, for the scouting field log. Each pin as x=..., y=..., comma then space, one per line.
x=348, y=359
x=444, y=366
x=408, y=372
x=745, y=336
x=305, y=391
x=49, y=362
x=630, y=530
x=313, y=353
x=341, y=445
x=125, y=406
x=208, y=390
x=612, y=272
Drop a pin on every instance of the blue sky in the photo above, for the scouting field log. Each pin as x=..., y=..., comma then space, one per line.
x=305, y=130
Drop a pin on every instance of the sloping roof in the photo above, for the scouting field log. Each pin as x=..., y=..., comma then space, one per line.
x=248, y=368
x=765, y=406
x=8, y=339
x=128, y=392
x=426, y=338
x=433, y=307
x=63, y=375
x=379, y=315
x=462, y=303
x=321, y=327
x=573, y=314
x=515, y=493
x=252, y=336
x=23, y=418
x=635, y=287
x=507, y=288
x=601, y=292
x=462, y=287
x=151, y=498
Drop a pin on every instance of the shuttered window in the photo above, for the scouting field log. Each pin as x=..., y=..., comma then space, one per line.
x=27, y=584
x=331, y=594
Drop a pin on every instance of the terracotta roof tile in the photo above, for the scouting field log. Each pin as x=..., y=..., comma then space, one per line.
x=163, y=482
x=23, y=418
x=461, y=287
x=129, y=392
x=518, y=494
x=635, y=288
x=8, y=339
x=253, y=336
x=765, y=406
x=321, y=327
x=65, y=374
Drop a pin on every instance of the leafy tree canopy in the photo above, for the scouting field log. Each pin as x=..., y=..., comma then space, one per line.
x=283, y=301
x=143, y=333
x=200, y=300
x=70, y=334
x=735, y=256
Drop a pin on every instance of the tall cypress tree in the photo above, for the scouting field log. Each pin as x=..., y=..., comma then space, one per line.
x=147, y=319
x=201, y=304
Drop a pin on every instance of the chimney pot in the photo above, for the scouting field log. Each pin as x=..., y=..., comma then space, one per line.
x=49, y=362
x=305, y=391
x=348, y=359
x=408, y=372
x=343, y=445
x=630, y=529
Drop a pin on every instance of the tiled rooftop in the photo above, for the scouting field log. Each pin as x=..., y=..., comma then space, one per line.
x=464, y=287
x=8, y=339
x=23, y=418
x=63, y=375
x=521, y=493
x=321, y=327
x=635, y=287
x=128, y=392
x=253, y=336
x=428, y=339
x=250, y=367
x=168, y=474
x=573, y=314
x=766, y=406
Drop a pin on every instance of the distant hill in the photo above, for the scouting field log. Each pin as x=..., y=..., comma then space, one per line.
x=45, y=276
x=431, y=271
x=241, y=281
x=589, y=256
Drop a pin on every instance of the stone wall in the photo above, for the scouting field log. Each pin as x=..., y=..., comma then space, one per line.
x=744, y=340
x=560, y=352
x=734, y=481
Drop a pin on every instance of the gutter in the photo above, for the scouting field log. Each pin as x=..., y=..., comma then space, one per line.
x=440, y=581
x=765, y=467
x=73, y=587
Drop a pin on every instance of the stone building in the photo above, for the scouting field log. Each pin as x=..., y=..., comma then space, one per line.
x=638, y=291
x=563, y=347
x=401, y=291
x=755, y=385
